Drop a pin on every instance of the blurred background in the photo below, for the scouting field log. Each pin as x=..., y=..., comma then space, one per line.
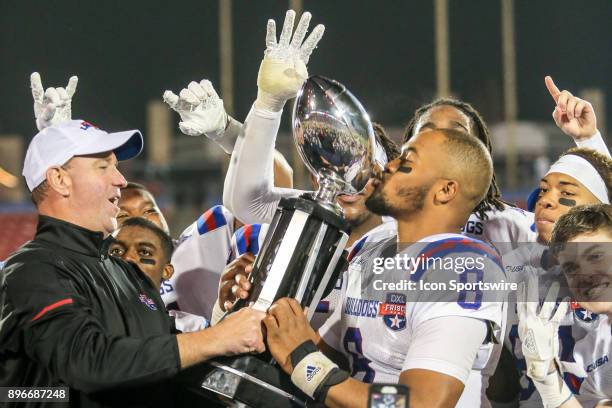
x=393, y=55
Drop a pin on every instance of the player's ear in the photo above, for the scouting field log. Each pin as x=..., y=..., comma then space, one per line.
x=168, y=271
x=59, y=180
x=445, y=191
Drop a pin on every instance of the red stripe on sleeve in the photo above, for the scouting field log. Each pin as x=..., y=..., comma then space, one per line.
x=248, y=230
x=51, y=307
x=209, y=220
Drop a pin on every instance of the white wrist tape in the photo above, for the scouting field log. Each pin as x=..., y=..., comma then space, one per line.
x=553, y=390
x=310, y=372
x=217, y=313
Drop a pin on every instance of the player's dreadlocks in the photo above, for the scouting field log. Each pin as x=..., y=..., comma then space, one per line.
x=388, y=145
x=493, y=199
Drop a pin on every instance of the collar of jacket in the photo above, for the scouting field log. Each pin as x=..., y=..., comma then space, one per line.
x=72, y=237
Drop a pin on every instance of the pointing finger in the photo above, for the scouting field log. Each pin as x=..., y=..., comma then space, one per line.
x=552, y=88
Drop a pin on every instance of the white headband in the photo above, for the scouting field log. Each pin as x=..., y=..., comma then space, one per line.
x=584, y=172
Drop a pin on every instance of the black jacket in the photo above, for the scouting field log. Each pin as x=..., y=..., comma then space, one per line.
x=71, y=315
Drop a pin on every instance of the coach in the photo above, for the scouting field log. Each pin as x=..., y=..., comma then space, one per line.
x=70, y=314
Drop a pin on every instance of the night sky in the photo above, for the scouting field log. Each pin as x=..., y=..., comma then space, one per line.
x=128, y=52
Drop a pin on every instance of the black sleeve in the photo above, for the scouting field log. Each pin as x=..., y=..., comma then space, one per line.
x=42, y=308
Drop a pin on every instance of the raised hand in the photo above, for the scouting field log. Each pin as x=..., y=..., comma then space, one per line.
x=574, y=116
x=283, y=69
x=54, y=105
x=200, y=108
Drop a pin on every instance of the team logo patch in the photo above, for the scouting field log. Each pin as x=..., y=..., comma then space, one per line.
x=311, y=371
x=585, y=315
x=393, y=311
x=147, y=301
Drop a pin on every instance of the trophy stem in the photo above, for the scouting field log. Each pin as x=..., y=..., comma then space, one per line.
x=329, y=187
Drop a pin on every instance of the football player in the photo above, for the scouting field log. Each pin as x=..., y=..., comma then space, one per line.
x=581, y=240
x=404, y=335
x=149, y=247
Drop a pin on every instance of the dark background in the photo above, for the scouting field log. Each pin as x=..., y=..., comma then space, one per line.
x=128, y=52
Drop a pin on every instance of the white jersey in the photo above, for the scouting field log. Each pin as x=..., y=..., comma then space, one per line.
x=533, y=258
x=374, y=329
x=593, y=353
x=505, y=229
x=201, y=254
x=328, y=304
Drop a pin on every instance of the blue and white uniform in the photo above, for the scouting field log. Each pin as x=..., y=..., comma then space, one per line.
x=202, y=252
x=382, y=333
x=594, y=354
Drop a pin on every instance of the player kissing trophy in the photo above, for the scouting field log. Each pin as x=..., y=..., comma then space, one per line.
x=303, y=251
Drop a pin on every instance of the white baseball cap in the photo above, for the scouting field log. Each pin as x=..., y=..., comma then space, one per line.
x=56, y=145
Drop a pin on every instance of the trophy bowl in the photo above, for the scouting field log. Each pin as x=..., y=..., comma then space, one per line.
x=333, y=135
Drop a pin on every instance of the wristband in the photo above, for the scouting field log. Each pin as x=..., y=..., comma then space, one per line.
x=313, y=373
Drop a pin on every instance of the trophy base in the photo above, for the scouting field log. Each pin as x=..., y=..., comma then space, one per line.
x=244, y=380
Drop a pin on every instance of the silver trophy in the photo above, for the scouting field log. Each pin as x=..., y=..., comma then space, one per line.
x=303, y=252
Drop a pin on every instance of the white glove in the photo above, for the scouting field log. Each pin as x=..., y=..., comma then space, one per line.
x=283, y=68
x=539, y=331
x=54, y=105
x=200, y=108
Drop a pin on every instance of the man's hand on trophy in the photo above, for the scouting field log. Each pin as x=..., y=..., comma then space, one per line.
x=53, y=105
x=283, y=68
x=200, y=108
x=287, y=328
x=242, y=332
x=234, y=284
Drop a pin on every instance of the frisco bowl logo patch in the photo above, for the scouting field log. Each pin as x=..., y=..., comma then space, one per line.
x=311, y=371
x=147, y=301
x=393, y=311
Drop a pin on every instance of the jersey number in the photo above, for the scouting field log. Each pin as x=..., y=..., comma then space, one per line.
x=475, y=296
x=352, y=344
